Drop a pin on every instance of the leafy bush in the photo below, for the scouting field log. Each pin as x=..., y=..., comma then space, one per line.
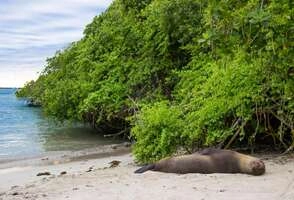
x=188, y=73
x=158, y=130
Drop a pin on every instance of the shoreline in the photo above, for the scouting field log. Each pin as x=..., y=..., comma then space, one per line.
x=59, y=157
x=17, y=172
x=92, y=173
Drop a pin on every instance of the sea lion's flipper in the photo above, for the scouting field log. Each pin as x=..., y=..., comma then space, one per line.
x=145, y=168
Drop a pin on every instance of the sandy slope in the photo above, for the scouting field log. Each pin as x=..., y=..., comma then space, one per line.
x=121, y=183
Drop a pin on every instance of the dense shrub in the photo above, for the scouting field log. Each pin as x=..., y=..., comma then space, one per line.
x=179, y=73
x=159, y=131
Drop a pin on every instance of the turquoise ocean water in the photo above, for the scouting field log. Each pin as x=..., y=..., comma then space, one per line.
x=25, y=132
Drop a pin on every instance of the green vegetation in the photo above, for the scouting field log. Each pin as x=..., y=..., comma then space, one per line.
x=179, y=73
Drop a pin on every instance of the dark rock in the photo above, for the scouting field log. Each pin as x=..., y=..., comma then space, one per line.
x=63, y=173
x=33, y=103
x=15, y=193
x=90, y=169
x=114, y=163
x=44, y=174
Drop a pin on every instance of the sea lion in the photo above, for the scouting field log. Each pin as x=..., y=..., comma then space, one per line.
x=208, y=161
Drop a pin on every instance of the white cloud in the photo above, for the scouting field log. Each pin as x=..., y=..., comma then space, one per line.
x=32, y=30
x=17, y=77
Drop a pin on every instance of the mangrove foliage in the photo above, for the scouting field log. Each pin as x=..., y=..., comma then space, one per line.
x=176, y=74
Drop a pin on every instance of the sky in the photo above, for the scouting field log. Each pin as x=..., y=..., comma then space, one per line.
x=33, y=30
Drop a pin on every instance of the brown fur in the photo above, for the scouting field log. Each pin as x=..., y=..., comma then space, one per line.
x=209, y=161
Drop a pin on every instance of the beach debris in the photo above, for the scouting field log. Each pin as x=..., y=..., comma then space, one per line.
x=114, y=163
x=63, y=173
x=45, y=159
x=90, y=169
x=15, y=193
x=44, y=174
x=75, y=188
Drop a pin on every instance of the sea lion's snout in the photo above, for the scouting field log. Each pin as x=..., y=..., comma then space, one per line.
x=258, y=167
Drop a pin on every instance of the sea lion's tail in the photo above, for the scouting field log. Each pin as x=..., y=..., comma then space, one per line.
x=145, y=168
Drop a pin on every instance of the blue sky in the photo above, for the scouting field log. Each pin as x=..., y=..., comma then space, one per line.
x=32, y=30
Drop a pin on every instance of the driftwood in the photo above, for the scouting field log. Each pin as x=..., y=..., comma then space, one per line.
x=117, y=134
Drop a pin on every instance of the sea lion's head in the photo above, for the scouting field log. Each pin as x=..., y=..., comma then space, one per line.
x=257, y=167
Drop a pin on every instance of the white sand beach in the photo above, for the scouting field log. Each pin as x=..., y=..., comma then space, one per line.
x=89, y=176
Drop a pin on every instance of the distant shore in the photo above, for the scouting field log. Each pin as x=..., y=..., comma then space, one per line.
x=107, y=173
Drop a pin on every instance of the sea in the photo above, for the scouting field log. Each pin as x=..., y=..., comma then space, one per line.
x=26, y=132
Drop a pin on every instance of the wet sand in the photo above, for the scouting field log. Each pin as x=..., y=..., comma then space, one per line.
x=90, y=175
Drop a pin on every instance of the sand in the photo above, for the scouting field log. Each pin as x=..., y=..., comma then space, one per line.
x=89, y=176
